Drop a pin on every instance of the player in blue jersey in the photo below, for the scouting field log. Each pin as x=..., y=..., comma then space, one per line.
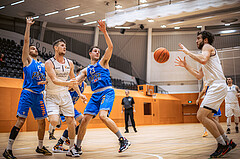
x=31, y=96
x=102, y=99
x=78, y=117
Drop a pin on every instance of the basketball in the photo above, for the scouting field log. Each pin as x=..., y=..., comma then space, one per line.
x=161, y=55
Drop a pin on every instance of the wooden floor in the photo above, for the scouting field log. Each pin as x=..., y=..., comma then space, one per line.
x=150, y=142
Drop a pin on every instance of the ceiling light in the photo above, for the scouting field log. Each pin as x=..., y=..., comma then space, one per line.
x=227, y=24
x=177, y=22
x=71, y=17
x=208, y=17
x=2, y=7
x=143, y=1
x=151, y=20
x=90, y=23
x=35, y=17
x=75, y=7
x=163, y=26
x=122, y=27
x=87, y=13
x=47, y=14
x=17, y=3
x=199, y=26
x=227, y=31
x=176, y=27
x=118, y=6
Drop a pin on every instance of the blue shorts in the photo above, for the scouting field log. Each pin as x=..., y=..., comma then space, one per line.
x=218, y=113
x=33, y=101
x=76, y=115
x=100, y=101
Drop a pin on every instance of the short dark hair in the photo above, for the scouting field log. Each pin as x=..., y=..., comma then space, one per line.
x=57, y=41
x=92, y=47
x=31, y=45
x=208, y=35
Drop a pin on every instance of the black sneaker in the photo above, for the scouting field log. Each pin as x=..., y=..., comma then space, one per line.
x=79, y=149
x=221, y=150
x=51, y=135
x=237, y=131
x=44, y=151
x=228, y=131
x=232, y=144
x=135, y=130
x=124, y=144
x=126, y=131
x=8, y=154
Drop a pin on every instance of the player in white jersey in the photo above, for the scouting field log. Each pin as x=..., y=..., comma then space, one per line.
x=58, y=99
x=232, y=105
x=212, y=71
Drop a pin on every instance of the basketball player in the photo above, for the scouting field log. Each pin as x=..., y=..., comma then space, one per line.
x=212, y=71
x=103, y=97
x=232, y=105
x=58, y=99
x=31, y=96
x=77, y=115
x=216, y=115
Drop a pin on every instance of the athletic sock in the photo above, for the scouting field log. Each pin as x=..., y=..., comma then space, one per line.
x=12, y=137
x=221, y=140
x=71, y=143
x=225, y=138
x=79, y=142
x=40, y=144
x=119, y=134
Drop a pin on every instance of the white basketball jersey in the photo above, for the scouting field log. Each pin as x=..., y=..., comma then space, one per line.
x=62, y=72
x=212, y=70
x=231, y=94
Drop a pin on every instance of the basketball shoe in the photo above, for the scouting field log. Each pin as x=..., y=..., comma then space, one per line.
x=59, y=149
x=124, y=144
x=221, y=150
x=8, y=154
x=44, y=151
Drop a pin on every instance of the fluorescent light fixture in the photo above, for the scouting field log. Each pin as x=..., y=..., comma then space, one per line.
x=227, y=24
x=122, y=27
x=151, y=20
x=208, y=17
x=75, y=7
x=143, y=1
x=2, y=7
x=177, y=22
x=118, y=6
x=163, y=26
x=87, y=13
x=15, y=3
x=71, y=17
x=51, y=13
x=93, y=22
x=199, y=26
x=35, y=17
x=227, y=31
x=176, y=27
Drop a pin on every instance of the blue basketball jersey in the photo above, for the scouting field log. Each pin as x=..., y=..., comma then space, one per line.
x=98, y=76
x=75, y=95
x=34, y=73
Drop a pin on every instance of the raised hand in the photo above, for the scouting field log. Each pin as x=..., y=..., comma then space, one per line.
x=101, y=25
x=83, y=98
x=29, y=21
x=180, y=62
x=183, y=48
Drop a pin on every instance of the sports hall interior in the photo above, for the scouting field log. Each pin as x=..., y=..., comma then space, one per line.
x=165, y=95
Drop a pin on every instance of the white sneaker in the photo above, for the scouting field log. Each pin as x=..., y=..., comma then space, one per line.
x=73, y=152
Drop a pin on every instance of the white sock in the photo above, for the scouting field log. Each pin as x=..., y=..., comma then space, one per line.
x=71, y=143
x=225, y=138
x=229, y=122
x=220, y=140
x=40, y=144
x=63, y=138
x=10, y=143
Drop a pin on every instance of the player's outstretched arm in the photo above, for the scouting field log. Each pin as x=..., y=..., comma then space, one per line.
x=194, y=72
x=51, y=73
x=201, y=58
x=26, y=59
x=108, y=53
x=82, y=75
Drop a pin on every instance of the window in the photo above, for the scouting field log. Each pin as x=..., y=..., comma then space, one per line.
x=147, y=109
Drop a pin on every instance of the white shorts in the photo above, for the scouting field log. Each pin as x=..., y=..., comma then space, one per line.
x=59, y=104
x=232, y=109
x=214, y=97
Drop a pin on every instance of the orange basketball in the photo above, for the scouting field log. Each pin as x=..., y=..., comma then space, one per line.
x=161, y=55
